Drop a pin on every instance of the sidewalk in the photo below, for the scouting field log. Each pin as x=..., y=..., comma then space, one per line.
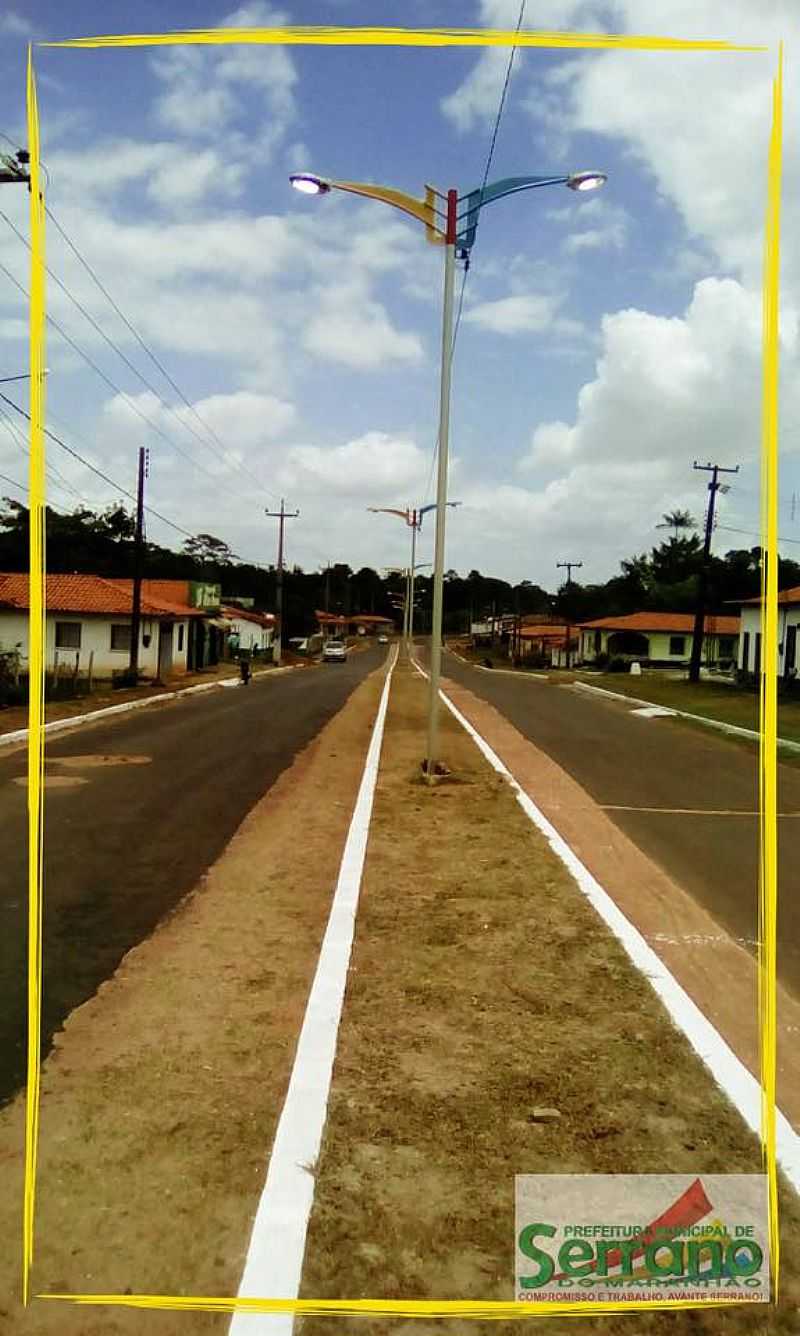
x=59, y=714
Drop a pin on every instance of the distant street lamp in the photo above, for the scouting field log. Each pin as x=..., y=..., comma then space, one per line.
x=413, y=519
x=444, y=224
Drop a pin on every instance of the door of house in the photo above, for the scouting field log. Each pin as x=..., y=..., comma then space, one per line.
x=165, y=630
x=790, y=653
x=746, y=652
x=757, y=663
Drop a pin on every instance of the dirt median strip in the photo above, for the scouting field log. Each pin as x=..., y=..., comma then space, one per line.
x=717, y=972
x=160, y=1102
x=483, y=987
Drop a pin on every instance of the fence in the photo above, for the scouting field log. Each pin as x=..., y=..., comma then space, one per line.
x=65, y=681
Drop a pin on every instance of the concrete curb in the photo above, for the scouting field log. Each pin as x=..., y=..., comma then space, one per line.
x=684, y=714
x=725, y=1067
x=76, y=720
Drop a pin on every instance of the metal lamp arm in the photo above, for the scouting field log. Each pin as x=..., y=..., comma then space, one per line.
x=509, y=185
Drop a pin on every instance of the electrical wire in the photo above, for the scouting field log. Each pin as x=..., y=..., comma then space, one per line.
x=117, y=390
x=58, y=480
x=156, y=362
x=750, y=533
x=117, y=486
x=486, y=170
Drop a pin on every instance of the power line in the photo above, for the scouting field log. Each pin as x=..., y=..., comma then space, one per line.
x=117, y=486
x=116, y=388
x=19, y=441
x=486, y=170
x=751, y=533
x=221, y=453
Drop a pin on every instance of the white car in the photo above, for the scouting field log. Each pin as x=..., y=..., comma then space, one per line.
x=383, y=640
x=335, y=651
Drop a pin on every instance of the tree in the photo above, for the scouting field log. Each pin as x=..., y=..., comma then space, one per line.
x=208, y=550
x=679, y=520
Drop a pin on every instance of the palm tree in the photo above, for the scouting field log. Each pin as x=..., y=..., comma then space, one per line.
x=677, y=520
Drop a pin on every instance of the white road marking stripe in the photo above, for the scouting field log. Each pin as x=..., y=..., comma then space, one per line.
x=728, y=1070
x=277, y=1244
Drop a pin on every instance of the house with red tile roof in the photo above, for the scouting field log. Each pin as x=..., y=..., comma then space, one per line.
x=88, y=622
x=749, y=660
x=662, y=639
x=254, y=631
x=353, y=624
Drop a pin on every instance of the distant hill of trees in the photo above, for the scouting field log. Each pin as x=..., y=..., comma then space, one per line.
x=665, y=579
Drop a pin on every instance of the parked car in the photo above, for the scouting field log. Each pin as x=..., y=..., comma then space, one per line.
x=383, y=640
x=334, y=651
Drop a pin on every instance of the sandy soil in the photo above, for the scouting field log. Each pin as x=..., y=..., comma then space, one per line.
x=160, y=1101
x=483, y=987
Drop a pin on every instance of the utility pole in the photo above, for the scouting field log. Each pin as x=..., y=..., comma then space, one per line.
x=570, y=567
x=702, y=583
x=282, y=515
x=138, y=564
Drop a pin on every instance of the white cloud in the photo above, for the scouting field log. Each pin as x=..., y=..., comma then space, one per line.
x=667, y=391
x=16, y=25
x=209, y=91
x=476, y=100
x=513, y=315
x=350, y=328
x=603, y=226
x=699, y=122
x=375, y=465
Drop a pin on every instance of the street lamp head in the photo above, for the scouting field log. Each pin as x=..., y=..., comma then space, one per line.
x=308, y=184
x=586, y=180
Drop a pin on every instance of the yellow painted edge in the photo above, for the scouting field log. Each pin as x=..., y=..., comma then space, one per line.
x=385, y=36
x=386, y=1307
x=768, y=722
x=768, y=887
x=36, y=503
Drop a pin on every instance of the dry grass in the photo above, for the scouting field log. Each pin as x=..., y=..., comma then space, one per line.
x=482, y=986
x=160, y=1101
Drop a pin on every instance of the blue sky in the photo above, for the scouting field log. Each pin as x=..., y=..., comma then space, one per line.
x=606, y=341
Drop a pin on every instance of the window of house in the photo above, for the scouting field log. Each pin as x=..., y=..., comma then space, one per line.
x=180, y=638
x=677, y=644
x=121, y=637
x=726, y=647
x=68, y=635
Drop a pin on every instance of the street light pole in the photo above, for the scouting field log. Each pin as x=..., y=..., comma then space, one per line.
x=441, y=481
x=459, y=231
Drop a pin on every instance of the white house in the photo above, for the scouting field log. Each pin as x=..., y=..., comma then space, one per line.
x=749, y=660
x=661, y=638
x=256, y=630
x=88, y=624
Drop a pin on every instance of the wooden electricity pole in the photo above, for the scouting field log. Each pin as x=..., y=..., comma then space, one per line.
x=138, y=567
x=570, y=566
x=282, y=515
x=702, y=583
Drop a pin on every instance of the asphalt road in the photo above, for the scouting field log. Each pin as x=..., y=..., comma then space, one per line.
x=124, y=846
x=625, y=760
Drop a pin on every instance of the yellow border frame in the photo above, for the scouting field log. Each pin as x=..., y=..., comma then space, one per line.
x=768, y=885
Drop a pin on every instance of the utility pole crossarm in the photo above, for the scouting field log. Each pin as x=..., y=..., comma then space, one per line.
x=282, y=515
x=570, y=566
x=698, y=633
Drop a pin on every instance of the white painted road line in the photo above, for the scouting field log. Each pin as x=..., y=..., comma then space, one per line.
x=277, y=1245
x=728, y=1070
